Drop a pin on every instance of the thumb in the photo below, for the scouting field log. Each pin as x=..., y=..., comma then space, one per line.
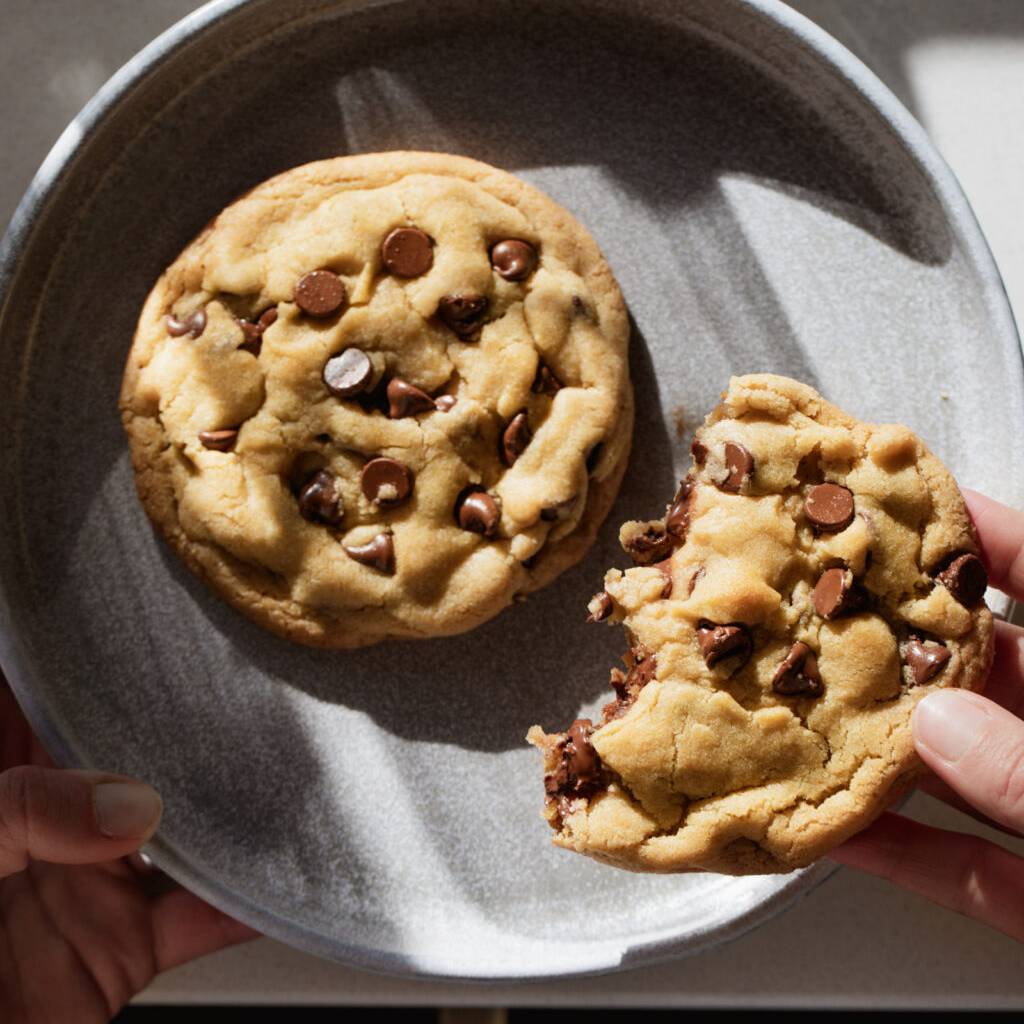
x=72, y=817
x=976, y=747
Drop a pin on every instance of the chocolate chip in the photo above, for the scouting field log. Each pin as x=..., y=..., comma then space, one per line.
x=407, y=252
x=386, y=481
x=579, y=769
x=665, y=567
x=719, y=642
x=642, y=667
x=348, y=373
x=378, y=553
x=925, y=661
x=320, y=501
x=477, y=512
x=648, y=546
x=583, y=759
x=699, y=452
x=463, y=313
x=834, y=593
x=739, y=467
x=444, y=403
x=406, y=399
x=194, y=324
x=545, y=382
x=252, y=335
x=600, y=607
x=698, y=574
x=965, y=578
x=218, y=440
x=320, y=293
x=642, y=671
x=829, y=507
x=267, y=317
x=797, y=674
x=514, y=259
x=677, y=516
x=515, y=438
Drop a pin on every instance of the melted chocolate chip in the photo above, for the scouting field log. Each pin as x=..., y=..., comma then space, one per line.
x=698, y=574
x=320, y=500
x=797, y=674
x=348, y=373
x=641, y=667
x=513, y=259
x=699, y=452
x=649, y=546
x=218, y=440
x=665, y=568
x=378, y=553
x=463, y=313
x=545, y=382
x=267, y=317
x=829, y=507
x=579, y=769
x=478, y=512
x=194, y=324
x=407, y=252
x=677, y=516
x=320, y=293
x=719, y=642
x=386, y=481
x=515, y=438
x=965, y=578
x=739, y=467
x=834, y=593
x=925, y=661
x=444, y=403
x=583, y=759
x=406, y=399
x=642, y=671
x=600, y=607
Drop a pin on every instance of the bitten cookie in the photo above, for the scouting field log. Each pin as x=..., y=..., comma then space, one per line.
x=813, y=578
x=381, y=395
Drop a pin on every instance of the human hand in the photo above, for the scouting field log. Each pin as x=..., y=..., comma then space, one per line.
x=975, y=747
x=80, y=929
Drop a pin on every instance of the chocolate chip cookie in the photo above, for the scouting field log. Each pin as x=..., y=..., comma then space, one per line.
x=381, y=395
x=811, y=580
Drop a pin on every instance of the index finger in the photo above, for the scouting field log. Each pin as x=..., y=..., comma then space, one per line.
x=1001, y=535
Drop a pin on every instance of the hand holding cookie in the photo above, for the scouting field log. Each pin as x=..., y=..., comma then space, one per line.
x=975, y=747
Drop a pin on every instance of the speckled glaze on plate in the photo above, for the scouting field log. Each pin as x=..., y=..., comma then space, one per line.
x=766, y=205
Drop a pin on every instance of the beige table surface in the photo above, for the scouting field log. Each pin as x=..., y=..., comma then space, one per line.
x=959, y=66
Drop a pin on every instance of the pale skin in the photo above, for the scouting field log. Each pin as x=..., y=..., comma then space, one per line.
x=81, y=930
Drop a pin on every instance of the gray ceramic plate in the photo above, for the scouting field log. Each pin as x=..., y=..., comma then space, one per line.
x=766, y=204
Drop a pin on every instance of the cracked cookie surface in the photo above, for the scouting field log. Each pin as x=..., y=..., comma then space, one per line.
x=812, y=579
x=381, y=395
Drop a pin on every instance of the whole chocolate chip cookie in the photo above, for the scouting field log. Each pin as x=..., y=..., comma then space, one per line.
x=821, y=576
x=381, y=395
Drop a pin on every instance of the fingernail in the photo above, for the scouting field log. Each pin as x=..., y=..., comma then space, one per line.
x=126, y=810
x=950, y=723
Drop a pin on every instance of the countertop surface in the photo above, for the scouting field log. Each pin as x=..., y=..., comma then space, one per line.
x=855, y=941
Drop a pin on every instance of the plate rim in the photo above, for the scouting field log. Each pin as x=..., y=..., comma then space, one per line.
x=16, y=664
